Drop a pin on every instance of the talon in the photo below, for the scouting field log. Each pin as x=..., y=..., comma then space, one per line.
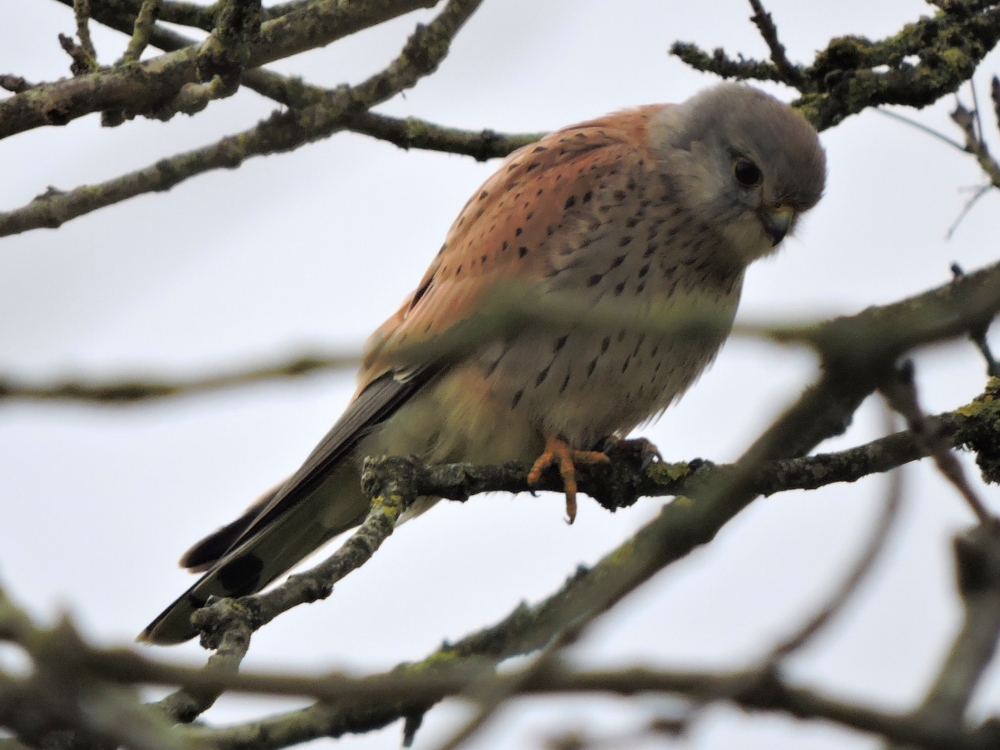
x=557, y=453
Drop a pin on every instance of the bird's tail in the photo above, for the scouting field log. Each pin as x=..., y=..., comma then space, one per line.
x=333, y=506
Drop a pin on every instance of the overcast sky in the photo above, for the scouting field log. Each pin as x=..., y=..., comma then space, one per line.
x=313, y=249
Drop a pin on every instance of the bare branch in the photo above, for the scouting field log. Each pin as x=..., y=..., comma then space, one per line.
x=332, y=113
x=190, y=14
x=136, y=90
x=192, y=700
x=791, y=74
x=348, y=702
x=16, y=84
x=861, y=569
x=978, y=336
x=846, y=77
x=900, y=391
x=388, y=484
x=142, y=31
x=88, y=62
x=742, y=69
x=414, y=133
x=919, y=126
x=59, y=698
x=125, y=391
x=969, y=205
x=709, y=502
x=977, y=556
x=966, y=120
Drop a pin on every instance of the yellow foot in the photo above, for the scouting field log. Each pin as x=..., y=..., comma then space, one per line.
x=557, y=453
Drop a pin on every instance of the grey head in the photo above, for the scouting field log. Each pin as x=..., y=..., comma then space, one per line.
x=745, y=163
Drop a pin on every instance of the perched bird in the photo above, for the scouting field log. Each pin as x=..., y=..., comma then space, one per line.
x=641, y=208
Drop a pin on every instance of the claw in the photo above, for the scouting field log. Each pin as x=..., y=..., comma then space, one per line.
x=559, y=454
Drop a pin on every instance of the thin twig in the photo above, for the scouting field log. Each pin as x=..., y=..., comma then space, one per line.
x=977, y=562
x=995, y=96
x=978, y=336
x=976, y=146
x=81, y=10
x=492, y=694
x=862, y=567
x=125, y=391
x=142, y=31
x=980, y=133
x=900, y=390
x=920, y=126
x=969, y=205
x=15, y=84
x=765, y=24
x=414, y=133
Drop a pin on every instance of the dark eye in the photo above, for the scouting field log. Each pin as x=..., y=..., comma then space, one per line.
x=747, y=173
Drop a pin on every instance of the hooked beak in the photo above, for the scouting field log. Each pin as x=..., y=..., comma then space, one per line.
x=777, y=222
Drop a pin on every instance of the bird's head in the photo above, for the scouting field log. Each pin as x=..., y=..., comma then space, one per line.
x=745, y=164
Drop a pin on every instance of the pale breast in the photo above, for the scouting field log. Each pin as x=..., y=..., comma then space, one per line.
x=635, y=245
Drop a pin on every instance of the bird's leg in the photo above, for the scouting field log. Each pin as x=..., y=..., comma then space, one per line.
x=565, y=458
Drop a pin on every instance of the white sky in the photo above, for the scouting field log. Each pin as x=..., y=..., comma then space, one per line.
x=314, y=249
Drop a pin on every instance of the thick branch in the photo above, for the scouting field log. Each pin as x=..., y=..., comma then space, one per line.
x=755, y=691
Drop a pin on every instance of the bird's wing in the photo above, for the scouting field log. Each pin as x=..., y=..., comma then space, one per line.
x=297, y=518
x=540, y=203
x=376, y=403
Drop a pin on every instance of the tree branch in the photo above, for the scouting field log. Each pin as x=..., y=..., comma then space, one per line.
x=347, y=702
x=122, y=391
x=413, y=133
x=708, y=502
x=843, y=79
x=140, y=86
x=318, y=114
x=142, y=31
x=790, y=74
x=977, y=563
x=87, y=61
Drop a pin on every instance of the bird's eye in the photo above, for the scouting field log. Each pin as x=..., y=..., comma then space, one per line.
x=747, y=173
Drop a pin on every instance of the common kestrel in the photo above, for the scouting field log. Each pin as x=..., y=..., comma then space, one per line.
x=643, y=208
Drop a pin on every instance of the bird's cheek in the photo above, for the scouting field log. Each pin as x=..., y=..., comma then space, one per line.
x=747, y=237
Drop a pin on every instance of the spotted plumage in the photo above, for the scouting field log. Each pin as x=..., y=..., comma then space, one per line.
x=651, y=208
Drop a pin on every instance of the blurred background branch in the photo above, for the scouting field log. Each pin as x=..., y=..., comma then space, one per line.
x=130, y=390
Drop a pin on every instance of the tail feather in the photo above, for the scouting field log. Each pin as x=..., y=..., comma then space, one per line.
x=272, y=551
x=205, y=553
